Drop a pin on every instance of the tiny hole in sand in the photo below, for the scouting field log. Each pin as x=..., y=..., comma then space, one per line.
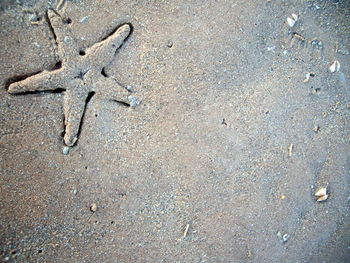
x=67, y=20
x=58, y=65
x=103, y=72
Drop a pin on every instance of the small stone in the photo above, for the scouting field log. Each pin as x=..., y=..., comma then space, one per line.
x=134, y=101
x=170, y=44
x=93, y=207
x=130, y=88
x=66, y=150
x=75, y=191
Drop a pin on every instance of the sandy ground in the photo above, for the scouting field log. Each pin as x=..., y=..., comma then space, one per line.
x=202, y=170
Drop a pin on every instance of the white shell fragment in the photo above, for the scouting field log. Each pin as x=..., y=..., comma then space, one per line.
x=292, y=20
x=322, y=198
x=335, y=66
x=285, y=237
x=321, y=192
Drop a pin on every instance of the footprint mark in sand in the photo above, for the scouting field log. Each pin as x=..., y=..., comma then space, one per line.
x=81, y=74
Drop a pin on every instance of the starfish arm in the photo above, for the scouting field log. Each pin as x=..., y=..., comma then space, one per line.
x=67, y=44
x=44, y=81
x=74, y=108
x=106, y=49
x=110, y=89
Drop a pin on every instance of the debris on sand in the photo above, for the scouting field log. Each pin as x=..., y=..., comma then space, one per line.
x=66, y=150
x=292, y=20
x=84, y=19
x=321, y=194
x=283, y=238
x=134, y=101
x=316, y=43
x=335, y=66
x=170, y=44
x=93, y=207
x=290, y=149
x=186, y=230
x=35, y=19
x=307, y=77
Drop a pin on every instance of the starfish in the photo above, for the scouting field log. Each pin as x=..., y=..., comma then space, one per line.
x=80, y=75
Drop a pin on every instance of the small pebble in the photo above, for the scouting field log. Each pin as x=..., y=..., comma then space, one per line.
x=170, y=44
x=66, y=150
x=93, y=207
x=130, y=88
x=75, y=191
x=134, y=101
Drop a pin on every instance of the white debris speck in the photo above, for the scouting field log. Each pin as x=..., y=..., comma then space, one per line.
x=84, y=19
x=335, y=66
x=272, y=49
x=130, y=88
x=292, y=20
x=285, y=237
x=36, y=44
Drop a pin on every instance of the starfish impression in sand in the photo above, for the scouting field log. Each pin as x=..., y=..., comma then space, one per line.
x=80, y=76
